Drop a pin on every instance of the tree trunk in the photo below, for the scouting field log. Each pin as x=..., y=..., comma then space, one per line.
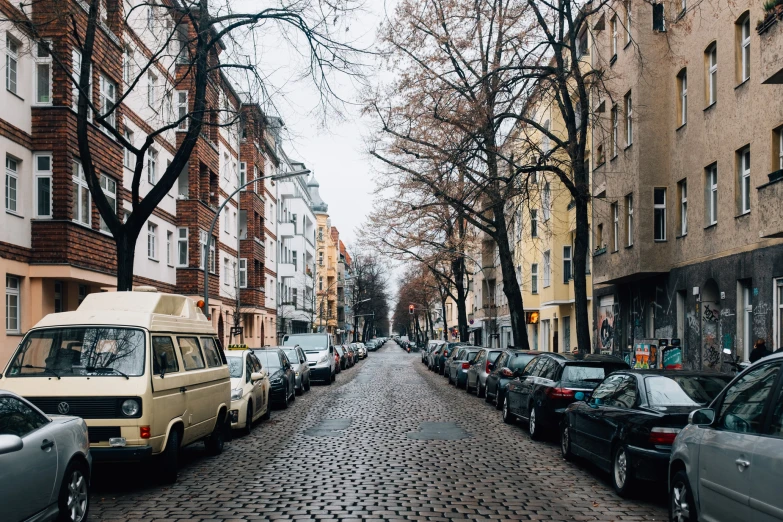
x=581, y=246
x=458, y=267
x=126, y=251
x=516, y=308
x=445, y=320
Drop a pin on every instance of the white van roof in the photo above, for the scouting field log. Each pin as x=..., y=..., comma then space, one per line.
x=155, y=311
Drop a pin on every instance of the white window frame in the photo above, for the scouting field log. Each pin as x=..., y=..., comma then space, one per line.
x=108, y=96
x=152, y=241
x=212, y=255
x=227, y=220
x=568, y=273
x=76, y=64
x=182, y=246
x=182, y=109
x=12, y=301
x=152, y=95
x=127, y=64
x=629, y=224
x=38, y=176
x=780, y=148
x=242, y=175
x=44, y=61
x=684, y=97
x=745, y=49
x=615, y=129
x=243, y=273
x=744, y=179
x=614, y=35
x=12, y=45
x=12, y=184
x=546, y=206
x=202, y=241
x=534, y=278
x=712, y=195
x=226, y=282
x=628, y=119
x=777, y=314
x=628, y=22
x=547, y=259
x=534, y=222
x=659, y=209
x=152, y=166
x=616, y=225
x=127, y=156
x=111, y=195
x=712, y=73
x=683, y=207
x=79, y=181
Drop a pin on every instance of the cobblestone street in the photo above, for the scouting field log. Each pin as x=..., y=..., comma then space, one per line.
x=364, y=464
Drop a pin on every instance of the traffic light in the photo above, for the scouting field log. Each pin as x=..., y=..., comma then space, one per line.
x=410, y=309
x=531, y=317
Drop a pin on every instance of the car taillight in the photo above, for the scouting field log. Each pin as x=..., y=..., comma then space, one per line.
x=505, y=372
x=465, y=366
x=487, y=370
x=663, y=436
x=144, y=432
x=560, y=393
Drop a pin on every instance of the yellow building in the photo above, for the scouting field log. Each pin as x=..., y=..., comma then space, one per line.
x=326, y=265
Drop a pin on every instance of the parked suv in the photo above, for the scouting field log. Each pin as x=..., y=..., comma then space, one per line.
x=726, y=464
x=319, y=349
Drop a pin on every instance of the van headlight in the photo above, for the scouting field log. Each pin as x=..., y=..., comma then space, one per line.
x=131, y=407
x=236, y=394
x=323, y=359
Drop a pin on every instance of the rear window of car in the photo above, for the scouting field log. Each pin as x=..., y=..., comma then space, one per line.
x=586, y=372
x=683, y=390
x=493, y=356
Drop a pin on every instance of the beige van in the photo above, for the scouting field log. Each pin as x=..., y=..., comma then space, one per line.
x=144, y=369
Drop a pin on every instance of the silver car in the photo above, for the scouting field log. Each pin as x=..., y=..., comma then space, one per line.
x=477, y=374
x=727, y=464
x=457, y=369
x=298, y=360
x=45, y=463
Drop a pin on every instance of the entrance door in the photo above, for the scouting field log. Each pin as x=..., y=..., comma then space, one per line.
x=710, y=327
x=169, y=384
x=544, y=341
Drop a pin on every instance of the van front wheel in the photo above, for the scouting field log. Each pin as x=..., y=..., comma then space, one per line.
x=217, y=439
x=169, y=459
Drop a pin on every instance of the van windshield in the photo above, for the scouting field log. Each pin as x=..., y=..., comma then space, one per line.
x=309, y=343
x=80, y=351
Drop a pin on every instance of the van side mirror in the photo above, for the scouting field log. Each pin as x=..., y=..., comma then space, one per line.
x=702, y=417
x=256, y=376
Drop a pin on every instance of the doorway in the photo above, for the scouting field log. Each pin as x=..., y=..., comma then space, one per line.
x=710, y=326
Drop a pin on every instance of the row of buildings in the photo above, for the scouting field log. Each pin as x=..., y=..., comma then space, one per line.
x=686, y=160
x=276, y=265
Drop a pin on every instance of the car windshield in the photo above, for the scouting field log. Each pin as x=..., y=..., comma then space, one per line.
x=586, y=372
x=235, y=367
x=313, y=343
x=683, y=390
x=292, y=356
x=269, y=359
x=80, y=351
x=519, y=361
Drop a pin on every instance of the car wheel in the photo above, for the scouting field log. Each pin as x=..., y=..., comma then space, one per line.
x=498, y=399
x=565, y=442
x=293, y=392
x=507, y=417
x=535, y=427
x=486, y=394
x=300, y=389
x=467, y=386
x=74, y=499
x=284, y=404
x=307, y=388
x=169, y=458
x=267, y=413
x=249, y=421
x=622, y=481
x=217, y=439
x=682, y=508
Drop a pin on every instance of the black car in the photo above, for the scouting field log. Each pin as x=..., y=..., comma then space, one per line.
x=339, y=350
x=282, y=379
x=508, y=365
x=446, y=351
x=549, y=383
x=629, y=423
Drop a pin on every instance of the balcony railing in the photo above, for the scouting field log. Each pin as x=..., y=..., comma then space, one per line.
x=770, y=30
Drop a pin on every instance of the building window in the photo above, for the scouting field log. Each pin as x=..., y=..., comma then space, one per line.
x=547, y=269
x=712, y=74
x=616, y=228
x=320, y=283
x=711, y=191
x=582, y=48
x=58, y=297
x=152, y=95
x=12, y=46
x=109, y=187
x=150, y=17
x=628, y=120
x=779, y=146
x=294, y=260
x=243, y=273
x=534, y=278
x=682, y=88
x=547, y=201
x=42, y=178
x=152, y=166
x=202, y=241
x=82, y=293
x=629, y=218
x=682, y=187
x=599, y=236
x=778, y=312
x=614, y=37
x=127, y=59
x=242, y=174
x=534, y=223
x=567, y=268
x=743, y=30
x=212, y=256
x=659, y=18
x=81, y=195
x=43, y=74
x=128, y=158
x=152, y=241
x=182, y=246
x=628, y=22
x=169, y=247
x=107, y=99
x=320, y=259
x=743, y=167
x=659, y=214
x=76, y=63
x=615, y=133
x=745, y=318
x=11, y=183
x=12, y=305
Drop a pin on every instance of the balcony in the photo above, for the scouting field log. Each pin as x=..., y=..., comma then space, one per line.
x=286, y=270
x=770, y=196
x=286, y=229
x=771, y=36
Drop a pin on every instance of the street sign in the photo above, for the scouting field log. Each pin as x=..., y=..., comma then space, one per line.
x=236, y=330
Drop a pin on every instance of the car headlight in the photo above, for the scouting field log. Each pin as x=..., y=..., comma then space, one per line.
x=323, y=359
x=131, y=407
x=276, y=381
x=236, y=394
x=297, y=374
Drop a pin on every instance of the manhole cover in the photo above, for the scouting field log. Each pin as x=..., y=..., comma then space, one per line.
x=439, y=431
x=328, y=428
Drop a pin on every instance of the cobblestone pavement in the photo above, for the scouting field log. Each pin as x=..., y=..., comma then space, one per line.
x=345, y=452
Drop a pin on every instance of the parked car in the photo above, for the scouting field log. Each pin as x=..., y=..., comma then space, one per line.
x=370, y=345
x=282, y=380
x=298, y=360
x=478, y=372
x=458, y=370
x=434, y=357
x=45, y=463
x=446, y=352
x=508, y=362
x=249, y=389
x=319, y=350
x=541, y=392
x=352, y=354
x=425, y=353
x=628, y=423
x=727, y=463
x=361, y=351
x=340, y=351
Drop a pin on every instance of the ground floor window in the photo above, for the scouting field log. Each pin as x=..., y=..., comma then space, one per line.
x=778, y=313
x=567, y=334
x=12, y=305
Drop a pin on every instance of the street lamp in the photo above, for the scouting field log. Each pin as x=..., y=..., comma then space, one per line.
x=273, y=177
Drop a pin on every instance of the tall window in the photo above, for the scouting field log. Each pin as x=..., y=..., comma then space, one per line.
x=43, y=75
x=615, y=133
x=109, y=187
x=682, y=186
x=567, y=268
x=76, y=63
x=152, y=95
x=615, y=227
x=128, y=157
x=628, y=119
x=712, y=74
x=169, y=247
x=182, y=109
x=212, y=256
x=107, y=99
x=629, y=218
x=534, y=223
x=628, y=22
x=659, y=214
x=81, y=195
x=614, y=36
x=243, y=273
x=202, y=241
x=744, y=47
x=242, y=174
x=745, y=317
x=294, y=260
x=547, y=201
x=12, y=46
x=182, y=246
x=659, y=19
x=152, y=166
x=42, y=178
x=711, y=191
x=127, y=60
x=11, y=183
x=779, y=311
x=152, y=241
x=743, y=166
x=12, y=305
x=58, y=297
x=779, y=140
x=547, y=269
x=682, y=87
x=534, y=278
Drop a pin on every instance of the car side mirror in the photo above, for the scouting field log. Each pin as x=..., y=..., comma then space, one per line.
x=10, y=444
x=702, y=417
x=580, y=396
x=256, y=376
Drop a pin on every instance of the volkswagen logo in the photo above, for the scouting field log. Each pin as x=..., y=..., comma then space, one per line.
x=63, y=408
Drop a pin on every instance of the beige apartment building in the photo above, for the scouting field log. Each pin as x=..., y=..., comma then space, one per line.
x=688, y=152
x=326, y=264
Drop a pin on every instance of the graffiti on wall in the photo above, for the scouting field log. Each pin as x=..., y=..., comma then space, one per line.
x=606, y=322
x=710, y=335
